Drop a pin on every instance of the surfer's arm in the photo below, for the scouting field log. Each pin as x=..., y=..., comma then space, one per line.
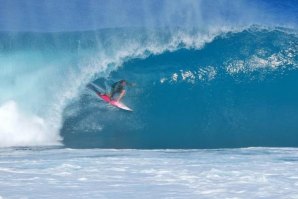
x=130, y=84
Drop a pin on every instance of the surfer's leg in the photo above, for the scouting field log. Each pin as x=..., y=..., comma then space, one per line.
x=121, y=95
x=111, y=94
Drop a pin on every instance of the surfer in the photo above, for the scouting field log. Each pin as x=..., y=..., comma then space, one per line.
x=119, y=88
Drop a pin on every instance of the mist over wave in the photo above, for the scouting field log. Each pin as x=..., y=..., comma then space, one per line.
x=57, y=16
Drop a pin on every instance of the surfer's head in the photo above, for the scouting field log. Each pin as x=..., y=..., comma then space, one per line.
x=123, y=82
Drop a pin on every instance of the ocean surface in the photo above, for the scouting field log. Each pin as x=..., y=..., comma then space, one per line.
x=215, y=106
x=127, y=173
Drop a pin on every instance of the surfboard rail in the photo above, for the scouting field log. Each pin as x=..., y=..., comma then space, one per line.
x=107, y=99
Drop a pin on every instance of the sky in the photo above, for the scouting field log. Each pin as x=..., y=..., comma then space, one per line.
x=70, y=15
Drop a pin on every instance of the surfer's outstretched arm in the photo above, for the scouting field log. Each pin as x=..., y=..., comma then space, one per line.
x=130, y=84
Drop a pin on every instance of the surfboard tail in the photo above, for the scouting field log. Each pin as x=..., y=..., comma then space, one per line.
x=93, y=88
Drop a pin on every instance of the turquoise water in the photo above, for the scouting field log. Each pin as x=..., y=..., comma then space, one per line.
x=236, y=91
x=194, y=90
x=215, y=105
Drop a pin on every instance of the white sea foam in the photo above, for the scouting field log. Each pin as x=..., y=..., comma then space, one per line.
x=20, y=129
x=207, y=73
x=223, y=173
x=264, y=60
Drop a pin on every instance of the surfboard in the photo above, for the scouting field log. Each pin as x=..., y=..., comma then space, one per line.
x=107, y=99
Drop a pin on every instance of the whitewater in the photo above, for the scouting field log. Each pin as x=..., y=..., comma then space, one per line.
x=106, y=173
x=215, y=102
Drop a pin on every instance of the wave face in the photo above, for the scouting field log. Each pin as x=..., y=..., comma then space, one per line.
x=236, y=91
x=209, y=74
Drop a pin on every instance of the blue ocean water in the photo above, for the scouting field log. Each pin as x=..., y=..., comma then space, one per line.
x=224, y=89
x=215, y=102
x=211, y=75
x=236, y=91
